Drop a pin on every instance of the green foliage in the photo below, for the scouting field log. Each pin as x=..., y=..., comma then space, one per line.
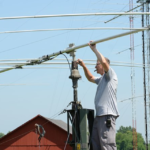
x=124, y=139
x=1, y=135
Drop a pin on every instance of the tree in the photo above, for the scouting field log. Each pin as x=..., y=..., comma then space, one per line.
x=1, y=135
x=124, y=139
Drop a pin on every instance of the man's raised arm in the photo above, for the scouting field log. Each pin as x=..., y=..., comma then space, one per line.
x=87, y=73
x=100, y=57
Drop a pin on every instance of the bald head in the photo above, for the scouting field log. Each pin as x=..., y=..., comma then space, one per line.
x=108, y=61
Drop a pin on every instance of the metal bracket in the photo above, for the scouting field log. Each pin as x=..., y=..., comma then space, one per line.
x=72, y=53
x=32, y=62
x=39, y=61
x=18, y=67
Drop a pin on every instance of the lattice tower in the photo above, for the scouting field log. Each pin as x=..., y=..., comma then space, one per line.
x=134, y=133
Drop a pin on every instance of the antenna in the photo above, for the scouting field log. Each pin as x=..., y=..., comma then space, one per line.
x=134, y=133
x=81, y=119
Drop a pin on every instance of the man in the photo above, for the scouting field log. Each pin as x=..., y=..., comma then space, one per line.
x=104, y=133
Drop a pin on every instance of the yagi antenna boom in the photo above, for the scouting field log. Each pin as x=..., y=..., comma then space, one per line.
x=68, y=50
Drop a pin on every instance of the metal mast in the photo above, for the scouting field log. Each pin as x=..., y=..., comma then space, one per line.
x=147, y=58
x=133, y=79
x=144, y=79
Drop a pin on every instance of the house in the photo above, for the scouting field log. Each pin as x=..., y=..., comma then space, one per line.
x=26, y=136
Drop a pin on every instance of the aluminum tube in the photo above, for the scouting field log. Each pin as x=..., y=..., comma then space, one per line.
x=93, y=60
x=4, y=70
x=1, y=61
x=17, y=59
x=68, y=50
x=92, y=64
x=93, y=28
x=7, y=69
x=45, y=63
x=82, y=14
x=62, y=63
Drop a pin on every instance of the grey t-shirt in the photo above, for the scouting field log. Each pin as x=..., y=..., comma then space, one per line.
x=105, y=98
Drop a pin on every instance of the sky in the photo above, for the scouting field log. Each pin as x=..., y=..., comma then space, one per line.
x=47, y=90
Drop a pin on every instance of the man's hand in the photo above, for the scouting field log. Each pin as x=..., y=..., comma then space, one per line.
x=88, y=75
x=80, y=62
x=92, y=46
